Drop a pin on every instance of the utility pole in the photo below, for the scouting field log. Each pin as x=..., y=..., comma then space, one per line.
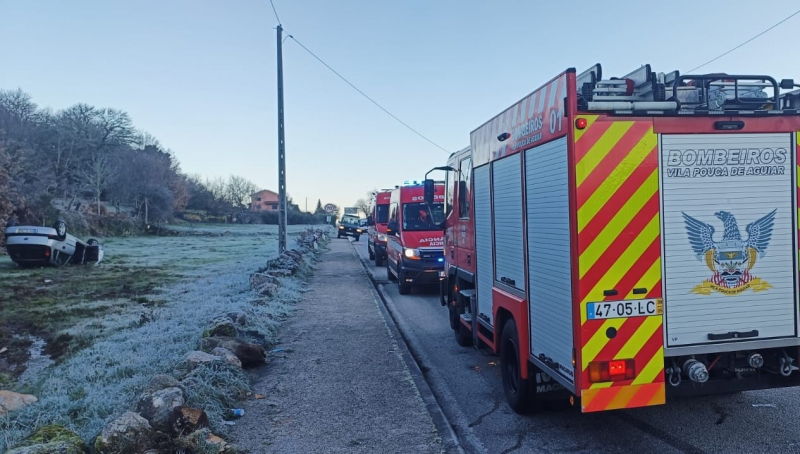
x=281, y=152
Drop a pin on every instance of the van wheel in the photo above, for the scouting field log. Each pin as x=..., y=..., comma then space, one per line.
x=378, y=260
x=402, y=286
x=357, y=237
x=371, y=254
x=61, y=229
x=92, y=242
x=517, y=389
x=389, y=274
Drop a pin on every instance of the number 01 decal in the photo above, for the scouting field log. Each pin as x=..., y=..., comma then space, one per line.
x=556, y=119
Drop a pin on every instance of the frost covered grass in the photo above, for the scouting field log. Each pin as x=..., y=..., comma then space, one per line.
x=124, y=346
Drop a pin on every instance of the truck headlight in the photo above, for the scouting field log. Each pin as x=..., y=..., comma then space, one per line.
x=341, y=227
x=358, y=230
x=412, y=254
x=381, y=237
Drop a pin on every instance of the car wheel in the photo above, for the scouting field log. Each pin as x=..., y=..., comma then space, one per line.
x=61, y=229
x=339, y=236
x=357, y=237
x=371, y=254
x=92, y=242
x=389, y=274
x=516, y=388
x=402, y=286
x=378, y=259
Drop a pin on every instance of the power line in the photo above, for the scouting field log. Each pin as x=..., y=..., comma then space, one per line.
x=275, y=11
x=746, y=42
x=366, y=96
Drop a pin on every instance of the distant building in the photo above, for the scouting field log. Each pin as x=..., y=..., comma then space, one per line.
x=265, y=200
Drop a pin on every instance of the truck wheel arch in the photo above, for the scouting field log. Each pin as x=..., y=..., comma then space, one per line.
x=501, y=316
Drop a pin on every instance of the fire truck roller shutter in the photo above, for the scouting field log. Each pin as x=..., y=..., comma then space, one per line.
x=507, y=203
x=549, y=270
x=483, y=240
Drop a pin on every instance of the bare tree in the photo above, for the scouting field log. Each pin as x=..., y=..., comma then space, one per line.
x=363, y=205
x=238, y=191
x=98, y=173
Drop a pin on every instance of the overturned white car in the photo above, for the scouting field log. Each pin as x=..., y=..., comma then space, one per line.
x=37, y=246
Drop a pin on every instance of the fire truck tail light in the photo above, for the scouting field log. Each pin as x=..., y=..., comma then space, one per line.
x=618, y=370
x=581, y=123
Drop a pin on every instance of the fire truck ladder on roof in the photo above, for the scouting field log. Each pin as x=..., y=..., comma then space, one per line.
x=643, y=90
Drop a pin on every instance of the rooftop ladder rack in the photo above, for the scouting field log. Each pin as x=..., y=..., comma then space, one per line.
x=643, y=91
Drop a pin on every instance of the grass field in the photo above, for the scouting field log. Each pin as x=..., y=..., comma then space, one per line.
x=109, y=328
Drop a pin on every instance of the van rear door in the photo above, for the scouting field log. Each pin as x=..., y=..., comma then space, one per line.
x=729, y=237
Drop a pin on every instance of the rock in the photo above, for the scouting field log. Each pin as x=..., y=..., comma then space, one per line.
x=222, y=326
x=157, y=407
x=186, y=420
x=160, y=382
x=227, y=355
x=195, y=358
x=267, y=289
x=280, y=272
x=238, y=318
x=11, y=401
x=249, y=354
x=129, y=430
x=217, y=441
x=50, y=440
x=259, y=279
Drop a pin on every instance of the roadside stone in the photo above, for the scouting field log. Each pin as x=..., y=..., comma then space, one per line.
x=280, y=272
x=259, y=279
x=129, y=431
x=268, y=290
x=11, y=401
x=195, y=358
x=217, y=441
x=249, y=354
x=157, y=407
x=160, y=382
x=228, y=356
x=222, y=326
x=238, y=318
x=186, y=420
x=51, y=440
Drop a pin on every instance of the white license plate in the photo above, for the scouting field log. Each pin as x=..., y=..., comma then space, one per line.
x=624, y=309
x=26, y=230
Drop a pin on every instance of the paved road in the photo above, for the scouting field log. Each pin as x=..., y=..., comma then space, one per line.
x=468, y=387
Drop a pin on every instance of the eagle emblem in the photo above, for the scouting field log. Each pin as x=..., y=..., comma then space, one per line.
x=732, y=258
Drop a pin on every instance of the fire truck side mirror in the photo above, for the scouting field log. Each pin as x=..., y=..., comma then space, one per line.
x=391, y=228
x=429, y=186
x=370, y=221
x=787, y=84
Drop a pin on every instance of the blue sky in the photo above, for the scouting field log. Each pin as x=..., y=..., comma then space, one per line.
x=200, y=75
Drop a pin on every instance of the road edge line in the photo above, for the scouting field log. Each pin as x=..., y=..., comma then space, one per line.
x=441, y=421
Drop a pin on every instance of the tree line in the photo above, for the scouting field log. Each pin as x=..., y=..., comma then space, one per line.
x=88, y=153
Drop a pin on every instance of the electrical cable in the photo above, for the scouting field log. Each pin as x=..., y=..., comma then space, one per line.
x=275, y=11
x=746, y=42
x=366, y=96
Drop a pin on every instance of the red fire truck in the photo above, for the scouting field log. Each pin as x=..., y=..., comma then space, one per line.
x=631, y=238
x=414, y=242
x=378, y=220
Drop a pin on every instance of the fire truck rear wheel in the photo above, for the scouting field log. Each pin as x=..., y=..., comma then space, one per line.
x=516, y=388
x=463, y=334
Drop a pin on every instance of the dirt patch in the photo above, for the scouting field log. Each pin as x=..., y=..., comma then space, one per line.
x=47, y=301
